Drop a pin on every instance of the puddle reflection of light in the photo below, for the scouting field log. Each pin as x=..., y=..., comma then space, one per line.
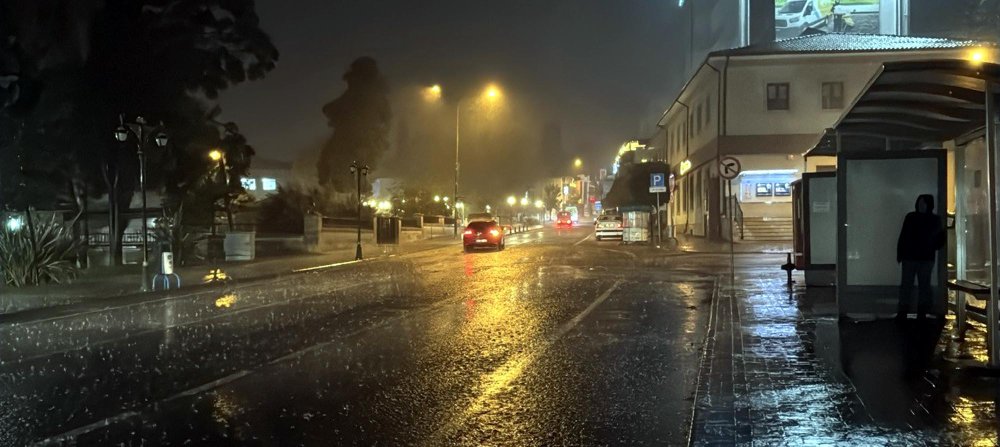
x=226, y=301
x=470, y=267
x=970, y=414
x=215, y=275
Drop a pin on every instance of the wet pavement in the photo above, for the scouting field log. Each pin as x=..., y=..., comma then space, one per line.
x=782, y=369
x=557, y=340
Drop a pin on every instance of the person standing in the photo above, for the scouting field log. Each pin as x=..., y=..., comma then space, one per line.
x=919, y=240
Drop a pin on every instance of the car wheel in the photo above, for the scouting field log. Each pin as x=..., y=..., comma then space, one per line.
x=597, y=237
x=467, y=249
x=502, y=246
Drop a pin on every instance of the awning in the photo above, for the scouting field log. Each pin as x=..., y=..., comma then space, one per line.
x=921, y=101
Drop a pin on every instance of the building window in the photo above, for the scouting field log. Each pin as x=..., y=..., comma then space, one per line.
x=268, y=184
x=708, y=110
x=249, y=184
x=777, y=96
x=697, y=114
x=833, y=95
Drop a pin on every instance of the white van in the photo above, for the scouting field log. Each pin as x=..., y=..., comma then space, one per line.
x=795, y=16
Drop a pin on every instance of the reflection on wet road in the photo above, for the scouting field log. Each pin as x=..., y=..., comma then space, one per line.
x=556, y=340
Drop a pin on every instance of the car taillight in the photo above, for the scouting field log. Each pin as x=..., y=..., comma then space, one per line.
x=494, y=233
x=468, y=232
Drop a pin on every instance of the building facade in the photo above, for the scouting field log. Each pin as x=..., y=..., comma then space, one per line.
x=766, y=105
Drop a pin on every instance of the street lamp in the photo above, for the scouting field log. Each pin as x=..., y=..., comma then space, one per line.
x=577, y=163
x=359, y=171
x=142, y=133
x=511, y=201
x=491, y=93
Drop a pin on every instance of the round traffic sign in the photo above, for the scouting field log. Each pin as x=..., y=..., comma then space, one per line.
x=729, y=167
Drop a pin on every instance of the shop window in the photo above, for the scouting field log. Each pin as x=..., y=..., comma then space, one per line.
x=764, y=190
x=777, y=96
x=249, y=184
x=268, y=184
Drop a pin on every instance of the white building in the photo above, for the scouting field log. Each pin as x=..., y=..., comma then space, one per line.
x=265, y=176
x=767, y=105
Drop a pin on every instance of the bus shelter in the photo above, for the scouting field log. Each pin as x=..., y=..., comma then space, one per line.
x=920, y=127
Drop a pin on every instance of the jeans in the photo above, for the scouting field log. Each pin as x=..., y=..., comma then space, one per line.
x=922, y=271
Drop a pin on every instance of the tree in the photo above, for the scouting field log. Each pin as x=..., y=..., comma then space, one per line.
x=79, y=67
x=360, y=119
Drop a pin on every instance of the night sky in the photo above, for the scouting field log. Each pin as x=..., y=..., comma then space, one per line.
x=603, y=69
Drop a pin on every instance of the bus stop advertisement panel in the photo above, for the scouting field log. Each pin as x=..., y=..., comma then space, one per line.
x=635, y=224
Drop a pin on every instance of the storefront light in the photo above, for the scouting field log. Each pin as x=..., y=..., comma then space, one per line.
x=685, y=167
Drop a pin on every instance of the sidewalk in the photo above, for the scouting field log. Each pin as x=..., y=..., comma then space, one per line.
x=695, y=244
x=103, y=283
x=780, y=369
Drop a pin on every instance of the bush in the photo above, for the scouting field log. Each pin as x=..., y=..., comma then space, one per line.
x=51, y=259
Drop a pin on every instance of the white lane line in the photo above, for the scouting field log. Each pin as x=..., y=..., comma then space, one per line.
x=335, y=264
x=582, y=240
x=500, y=379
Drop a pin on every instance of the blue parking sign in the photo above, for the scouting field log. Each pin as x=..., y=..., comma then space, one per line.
x=657, y=182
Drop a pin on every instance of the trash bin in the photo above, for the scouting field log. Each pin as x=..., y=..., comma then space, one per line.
x=387, y=230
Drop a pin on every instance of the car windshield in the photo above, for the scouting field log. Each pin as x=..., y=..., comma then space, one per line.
x=482, y=226
x=793, y=7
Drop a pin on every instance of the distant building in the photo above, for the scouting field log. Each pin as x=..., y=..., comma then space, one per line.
x=767, y=105
x=266, y=175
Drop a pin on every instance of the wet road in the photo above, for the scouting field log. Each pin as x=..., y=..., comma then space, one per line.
x=557, y=340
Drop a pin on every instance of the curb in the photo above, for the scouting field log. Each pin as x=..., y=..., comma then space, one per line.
x=95, y=304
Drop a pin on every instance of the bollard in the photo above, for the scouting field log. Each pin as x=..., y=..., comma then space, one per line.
x=788, y=267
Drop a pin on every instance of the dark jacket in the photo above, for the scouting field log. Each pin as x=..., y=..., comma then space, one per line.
x=922, y=235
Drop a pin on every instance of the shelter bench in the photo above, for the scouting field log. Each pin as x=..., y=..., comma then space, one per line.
x=964, y=310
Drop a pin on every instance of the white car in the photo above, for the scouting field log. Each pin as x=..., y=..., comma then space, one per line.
x=795, y=16
x=608, y=227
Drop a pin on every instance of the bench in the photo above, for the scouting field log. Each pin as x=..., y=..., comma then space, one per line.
x=962, y=287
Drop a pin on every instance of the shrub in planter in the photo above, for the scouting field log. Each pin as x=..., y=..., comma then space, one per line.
x=50, y=259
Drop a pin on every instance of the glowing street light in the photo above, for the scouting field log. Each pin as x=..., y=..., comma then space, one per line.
x=437, y=199
x=511, y=200
x=445, y=199
x=525, y=201
x=215, y=155
x=577, y=163
x=539, y=204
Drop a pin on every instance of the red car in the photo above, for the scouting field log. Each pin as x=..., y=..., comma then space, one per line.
x=564, y=220
x=483, y=234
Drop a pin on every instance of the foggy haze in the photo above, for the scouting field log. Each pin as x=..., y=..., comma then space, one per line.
x=599, y=69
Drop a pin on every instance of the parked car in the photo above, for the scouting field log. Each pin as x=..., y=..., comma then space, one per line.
x=564, y=220
x=483, y=235
x=608, y=226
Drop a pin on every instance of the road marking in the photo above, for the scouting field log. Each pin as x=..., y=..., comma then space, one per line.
x=581, y=240
x=500, y=379
x=335, y=264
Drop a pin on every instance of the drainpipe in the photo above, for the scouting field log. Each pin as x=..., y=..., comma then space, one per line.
x=718, y=140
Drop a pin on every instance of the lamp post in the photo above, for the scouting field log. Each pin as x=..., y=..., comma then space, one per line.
x=141, y=132
x=359, y=171
x=492, y=93
x=511, y=201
